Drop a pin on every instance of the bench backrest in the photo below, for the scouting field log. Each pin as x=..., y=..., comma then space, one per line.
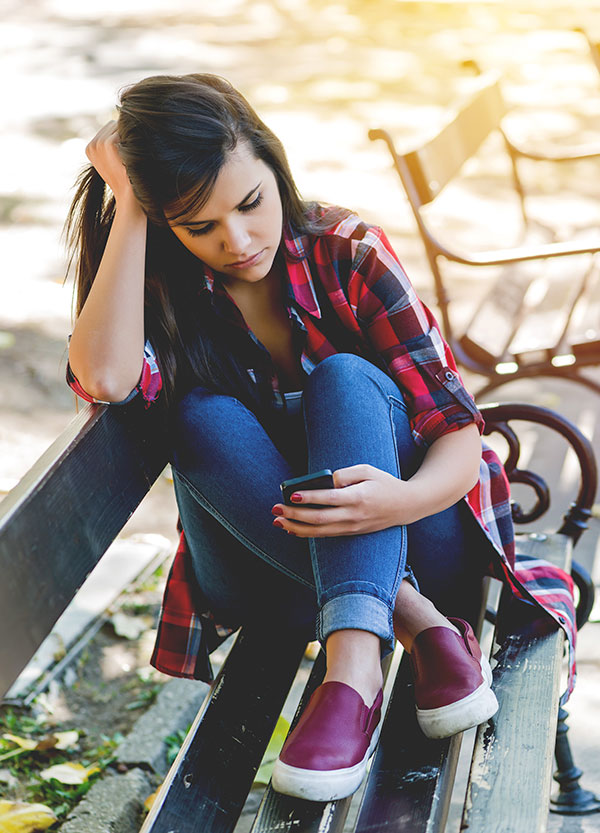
x=426, y=170
x=61, y=518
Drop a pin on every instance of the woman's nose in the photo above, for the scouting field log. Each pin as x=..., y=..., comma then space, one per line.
x=236, y=239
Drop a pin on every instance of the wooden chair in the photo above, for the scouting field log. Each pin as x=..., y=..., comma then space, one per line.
x=531, y=322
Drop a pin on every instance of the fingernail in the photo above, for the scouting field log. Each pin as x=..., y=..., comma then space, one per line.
x=277, y=510
x=296, y=498
x=277, y=523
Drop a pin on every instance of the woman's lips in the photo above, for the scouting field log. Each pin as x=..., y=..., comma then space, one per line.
x=243, y=264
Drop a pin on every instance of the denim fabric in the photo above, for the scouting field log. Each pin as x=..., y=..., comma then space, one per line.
x=227, y=472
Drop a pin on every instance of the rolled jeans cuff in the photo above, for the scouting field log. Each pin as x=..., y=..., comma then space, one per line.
x=358, y=611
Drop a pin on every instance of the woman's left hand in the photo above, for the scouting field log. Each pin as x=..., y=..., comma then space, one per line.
x=366, y=499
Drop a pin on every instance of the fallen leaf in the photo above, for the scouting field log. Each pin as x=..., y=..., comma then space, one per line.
x=265, y=770
x=312, y=650
x=18, y=817
x=131, y=627
x=24, y=743
x=66, y=740
x=151, y=799
x=68, y=773
x=58, y=740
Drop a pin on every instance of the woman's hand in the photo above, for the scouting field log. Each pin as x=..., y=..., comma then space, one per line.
x=103, y=153
x=366, y=499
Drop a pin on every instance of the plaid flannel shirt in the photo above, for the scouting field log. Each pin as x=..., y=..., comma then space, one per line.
x=377, y=306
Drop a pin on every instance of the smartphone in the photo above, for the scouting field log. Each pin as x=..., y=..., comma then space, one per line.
x=320, y=480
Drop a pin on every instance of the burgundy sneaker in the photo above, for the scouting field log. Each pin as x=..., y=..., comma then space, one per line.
x=452, y=681
x=326, y=756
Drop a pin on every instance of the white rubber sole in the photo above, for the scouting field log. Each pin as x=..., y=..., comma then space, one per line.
x=472, y=710
x=322, y=785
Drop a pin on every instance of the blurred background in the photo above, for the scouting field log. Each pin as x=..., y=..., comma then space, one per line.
x=321, y=73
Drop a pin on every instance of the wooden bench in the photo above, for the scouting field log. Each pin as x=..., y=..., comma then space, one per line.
x=541, y=314
x=56, y=525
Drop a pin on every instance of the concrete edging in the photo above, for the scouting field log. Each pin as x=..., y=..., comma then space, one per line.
x=115, y=803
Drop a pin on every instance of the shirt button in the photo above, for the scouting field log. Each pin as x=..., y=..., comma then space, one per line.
x=449, y=375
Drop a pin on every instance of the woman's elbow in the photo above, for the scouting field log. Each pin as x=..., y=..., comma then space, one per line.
x=105, y=387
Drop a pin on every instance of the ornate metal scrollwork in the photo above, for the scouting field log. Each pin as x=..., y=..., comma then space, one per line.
x=497, y=417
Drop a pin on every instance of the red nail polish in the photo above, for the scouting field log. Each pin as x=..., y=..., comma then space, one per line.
x=277, y=523
x=277, y=510
x=296, y=498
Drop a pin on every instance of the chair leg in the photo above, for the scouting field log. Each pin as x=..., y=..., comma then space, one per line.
x=571, y=799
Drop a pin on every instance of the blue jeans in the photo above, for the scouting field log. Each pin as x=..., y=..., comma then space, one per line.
x=227, y=471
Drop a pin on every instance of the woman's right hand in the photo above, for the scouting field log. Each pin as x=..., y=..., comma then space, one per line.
x=103, y=153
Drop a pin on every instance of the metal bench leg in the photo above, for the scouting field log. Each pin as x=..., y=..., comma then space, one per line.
x=571, y=799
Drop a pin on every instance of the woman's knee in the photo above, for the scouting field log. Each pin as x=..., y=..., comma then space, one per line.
x=207, y=421
x=346, y=374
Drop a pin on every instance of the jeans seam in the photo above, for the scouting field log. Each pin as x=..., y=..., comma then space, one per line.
x=239, y=535
x=403, y=553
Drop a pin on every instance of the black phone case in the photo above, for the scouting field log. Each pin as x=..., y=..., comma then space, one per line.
x=319, y=480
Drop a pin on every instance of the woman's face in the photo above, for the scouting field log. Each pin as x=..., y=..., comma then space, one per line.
x=238, y=230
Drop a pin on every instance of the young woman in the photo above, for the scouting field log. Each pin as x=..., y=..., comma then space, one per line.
x=281, y=338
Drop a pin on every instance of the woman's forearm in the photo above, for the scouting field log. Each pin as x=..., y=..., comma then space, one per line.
x=106, y=348
x=449, y=470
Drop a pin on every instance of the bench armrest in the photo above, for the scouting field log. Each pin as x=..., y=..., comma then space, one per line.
x=591, y=151
x=518, y=254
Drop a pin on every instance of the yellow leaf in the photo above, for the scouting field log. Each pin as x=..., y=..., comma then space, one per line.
x=272, y=751
x=66, y=740
x=24, y=743
x=151, y=799
x=18, y=817
x=68, y=773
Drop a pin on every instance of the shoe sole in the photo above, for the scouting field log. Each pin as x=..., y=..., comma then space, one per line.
x=318, y=784
x=472, y=710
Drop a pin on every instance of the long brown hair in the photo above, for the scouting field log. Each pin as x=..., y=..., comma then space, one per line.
x=175, y=135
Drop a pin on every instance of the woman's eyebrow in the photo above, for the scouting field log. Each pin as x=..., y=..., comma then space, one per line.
x=239, y=205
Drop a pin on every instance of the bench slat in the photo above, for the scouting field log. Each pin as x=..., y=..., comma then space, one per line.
x=512, y=759
x=209, y=781
x=411, y=777
x=67, y=510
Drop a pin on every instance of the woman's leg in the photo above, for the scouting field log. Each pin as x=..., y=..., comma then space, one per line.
x=358, y=578
x=227, y=473
x=355, y=414
x=235, y=585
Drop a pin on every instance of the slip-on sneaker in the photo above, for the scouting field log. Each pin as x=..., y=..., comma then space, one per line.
x=326, y=756
x=452, y=681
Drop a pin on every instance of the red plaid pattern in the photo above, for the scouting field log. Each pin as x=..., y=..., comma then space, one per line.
x=378, y=308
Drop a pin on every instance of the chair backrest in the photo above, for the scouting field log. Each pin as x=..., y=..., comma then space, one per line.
x=433, y=165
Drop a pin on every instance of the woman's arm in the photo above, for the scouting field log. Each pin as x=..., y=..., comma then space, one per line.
x=367, y=499
x=107, y=344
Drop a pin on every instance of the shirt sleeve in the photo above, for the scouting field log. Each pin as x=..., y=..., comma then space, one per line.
x=406, y=336
x=149, y=385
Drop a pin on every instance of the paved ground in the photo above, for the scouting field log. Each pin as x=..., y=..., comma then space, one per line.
x=321, y=73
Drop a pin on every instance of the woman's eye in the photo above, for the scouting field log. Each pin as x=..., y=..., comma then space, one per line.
x=252, y=205
x=197, y=232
